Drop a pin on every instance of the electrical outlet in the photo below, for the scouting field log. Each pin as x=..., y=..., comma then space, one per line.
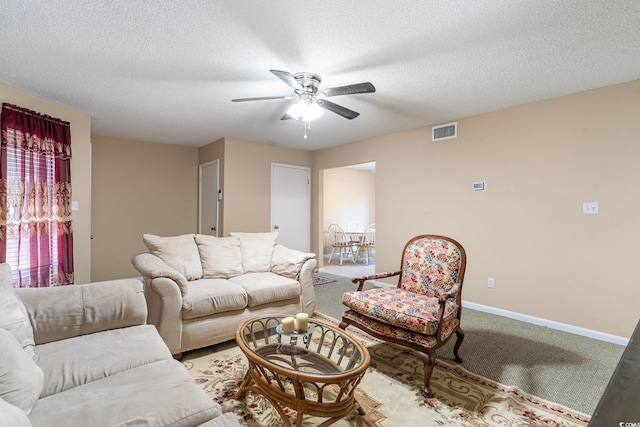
x=490, y=282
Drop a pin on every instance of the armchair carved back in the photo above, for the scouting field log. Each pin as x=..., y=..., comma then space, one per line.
x=431, y=265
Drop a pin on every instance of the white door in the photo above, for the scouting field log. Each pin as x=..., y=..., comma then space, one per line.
x=209, y=197
x=291, y=205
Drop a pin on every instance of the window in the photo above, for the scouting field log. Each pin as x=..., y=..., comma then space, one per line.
x=36, y=237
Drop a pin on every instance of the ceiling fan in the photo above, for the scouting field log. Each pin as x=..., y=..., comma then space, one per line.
x=309, y=99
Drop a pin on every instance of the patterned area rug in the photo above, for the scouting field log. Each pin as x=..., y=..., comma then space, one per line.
x=389, y=393
x=319, y=280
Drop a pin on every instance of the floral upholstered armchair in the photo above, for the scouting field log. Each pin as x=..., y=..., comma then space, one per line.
x=424, y=310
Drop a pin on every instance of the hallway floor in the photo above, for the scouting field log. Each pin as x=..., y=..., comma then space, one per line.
x=348, y=268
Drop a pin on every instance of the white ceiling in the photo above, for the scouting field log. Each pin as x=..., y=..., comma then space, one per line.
x=166, y=71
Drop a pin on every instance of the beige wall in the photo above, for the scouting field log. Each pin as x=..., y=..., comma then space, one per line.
x=143, y=187
x=247, y=178
x=540, y=162
x=139, y=187
x=80, y=170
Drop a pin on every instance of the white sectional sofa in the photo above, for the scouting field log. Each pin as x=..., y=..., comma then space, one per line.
x=199, y=287
x=82, y=355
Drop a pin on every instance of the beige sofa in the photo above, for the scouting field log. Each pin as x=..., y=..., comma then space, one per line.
x=82, y=355
x=199, y=288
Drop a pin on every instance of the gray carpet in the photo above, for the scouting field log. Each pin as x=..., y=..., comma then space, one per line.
x=565, y=368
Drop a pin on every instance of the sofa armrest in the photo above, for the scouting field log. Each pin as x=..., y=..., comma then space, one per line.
x=164, y=303
x=153, y=267
x=307, y=293
x=62, y=312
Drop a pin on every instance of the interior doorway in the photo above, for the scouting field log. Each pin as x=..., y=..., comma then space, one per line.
x=349, y=199
x=209, y=197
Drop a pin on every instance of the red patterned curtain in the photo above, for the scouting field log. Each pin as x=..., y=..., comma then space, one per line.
x=35, y=198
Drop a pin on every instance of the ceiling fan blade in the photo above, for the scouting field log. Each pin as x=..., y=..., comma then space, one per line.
x=288, y=78
x=338, y=109
x=286, y=117
x=260, y=98
x=349, y=89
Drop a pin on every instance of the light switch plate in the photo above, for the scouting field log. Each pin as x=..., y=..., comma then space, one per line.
x=75, y=205
x=590, y=208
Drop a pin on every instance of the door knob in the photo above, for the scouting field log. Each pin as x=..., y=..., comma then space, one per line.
x=276, y=226
x=213, y=229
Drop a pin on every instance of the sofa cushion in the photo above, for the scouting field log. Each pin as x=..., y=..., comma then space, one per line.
x=179, y=252
x=257, y=250
x=11, y=415
x=162, y=393
x=288, y=262
x=210, y=296
x=20, y=378
x=220, y=256
x=80, y=360
x=13, y=314
x=267, y=287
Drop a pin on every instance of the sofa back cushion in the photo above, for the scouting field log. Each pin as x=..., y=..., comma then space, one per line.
x=220, y=256
x=62, y=312
x=179, y=252
x=21, y=379
x=13, y=314
x=257, y=250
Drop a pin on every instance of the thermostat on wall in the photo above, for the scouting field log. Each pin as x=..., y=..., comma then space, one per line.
x=478, y=186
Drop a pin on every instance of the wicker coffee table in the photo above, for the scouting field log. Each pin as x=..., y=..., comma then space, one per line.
x=315, y=373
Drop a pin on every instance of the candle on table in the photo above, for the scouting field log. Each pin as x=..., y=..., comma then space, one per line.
x=302, y=322
x=288, y=325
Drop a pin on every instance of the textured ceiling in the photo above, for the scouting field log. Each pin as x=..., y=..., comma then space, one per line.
x=166, y=71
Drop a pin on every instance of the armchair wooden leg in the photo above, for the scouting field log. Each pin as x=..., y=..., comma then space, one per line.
x=459, y=339
x=429, y=360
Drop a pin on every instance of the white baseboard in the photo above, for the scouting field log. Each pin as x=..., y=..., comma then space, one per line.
x=548, y=323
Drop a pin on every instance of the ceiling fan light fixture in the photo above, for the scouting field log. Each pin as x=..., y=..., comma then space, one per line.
x=306, y=110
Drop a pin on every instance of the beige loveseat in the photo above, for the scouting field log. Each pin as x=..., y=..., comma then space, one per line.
x=199, y=287
x=82, y=355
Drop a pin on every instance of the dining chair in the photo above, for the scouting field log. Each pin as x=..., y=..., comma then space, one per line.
x=367, y=243
x=341, y=243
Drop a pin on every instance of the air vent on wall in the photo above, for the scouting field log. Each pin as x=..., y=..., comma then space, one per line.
x=448, y=131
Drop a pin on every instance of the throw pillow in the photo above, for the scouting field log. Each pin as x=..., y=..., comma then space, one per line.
x=13, y=314
x=179, y=252
x=257, y=250
x=288, y=262
x=221, y=257
x=21, y=380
